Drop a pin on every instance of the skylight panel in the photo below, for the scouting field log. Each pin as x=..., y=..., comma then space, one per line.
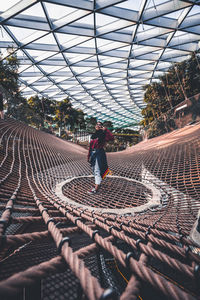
x=136, y=72
x=4, y=36
x=71, y=40
x=111, y=79
x=107, y=71
x=74, y=57
x=75, y=34
x=69, y=80
x=32, y=80
x=129, y=5
x=40, y=55
x=50, y=69
x=53, y=94
x=88, y=44
x=103, y=20
x=134, y=80
x=86, y=78
x=109, y=60
x=46, y=40
x=88, y=20
x=91, y=62
x=114, y=26
x=163, y=65
x=63, y=37
x=158, y=73
x=102, y=42
x=55, y=58
x=66, y=86
x=24, y=35
x=143, y=27
x=130, y=30
x=122, y=94
x=194, y=11
x=8, y=4
x=99, y=96
x=111, y=46
x=137, y=63
x=35, y=10
x=57, y=12
x=179, y=33
x=27, y=68
x=43, y=88
x=91, y=86
x=175, y=15
x=27, y=89
x=119, y=52
x=72, y=93
x=112, y=86
x=81, y=70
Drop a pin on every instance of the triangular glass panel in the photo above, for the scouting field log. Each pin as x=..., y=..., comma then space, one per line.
x=40, y=55
x=70, y=40
x=50, y=69
x=175, y=15
x=5, y=5
x=80, y=70
x=88, y=20
x=103, y=20
x=129, y=5
x=35, y=10
x=110, y=46
x=24, y=35
x=46, y=40
x=88, y=44
x=57, y=12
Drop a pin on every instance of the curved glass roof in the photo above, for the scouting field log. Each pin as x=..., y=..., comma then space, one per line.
x=100, y=53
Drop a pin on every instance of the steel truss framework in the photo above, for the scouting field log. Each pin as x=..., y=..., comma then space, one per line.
x=100, y=53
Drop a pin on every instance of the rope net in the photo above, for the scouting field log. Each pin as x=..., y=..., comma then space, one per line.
x=117, y=244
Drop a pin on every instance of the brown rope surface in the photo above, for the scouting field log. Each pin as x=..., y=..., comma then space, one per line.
x=55, y=249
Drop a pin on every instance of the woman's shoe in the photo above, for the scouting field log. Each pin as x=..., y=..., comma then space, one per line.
x=92, y=191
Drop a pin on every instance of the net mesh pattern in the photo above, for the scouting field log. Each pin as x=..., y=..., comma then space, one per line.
x=53, y=249
x=114, y=193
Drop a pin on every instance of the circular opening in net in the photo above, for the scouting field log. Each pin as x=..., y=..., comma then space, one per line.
x=115, y=192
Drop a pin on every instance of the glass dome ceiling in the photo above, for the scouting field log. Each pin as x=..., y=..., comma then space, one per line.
x=100, y=53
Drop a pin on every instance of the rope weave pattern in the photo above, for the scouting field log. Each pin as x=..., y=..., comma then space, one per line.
x=148, y=252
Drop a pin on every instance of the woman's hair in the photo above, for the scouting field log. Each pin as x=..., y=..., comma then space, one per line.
x=100, y=134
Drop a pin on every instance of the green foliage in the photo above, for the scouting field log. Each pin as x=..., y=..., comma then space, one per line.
x=90, y=124
x=35, y=111
x=180, y=82
x=66, y=115
x=108, y=124
x=8, y=73
x=9, y=82
x=62, y=112
x=76, y=119
x=194, y=109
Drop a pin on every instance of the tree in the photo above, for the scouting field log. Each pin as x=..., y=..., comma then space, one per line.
x=77, y=120
x=90, y=124
x=180, y=82
x=108, y=124
x=9, y=82
x=62, y=113
x=36, y=116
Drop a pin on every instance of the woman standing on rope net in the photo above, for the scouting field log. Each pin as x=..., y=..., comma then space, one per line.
x=97, y=155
